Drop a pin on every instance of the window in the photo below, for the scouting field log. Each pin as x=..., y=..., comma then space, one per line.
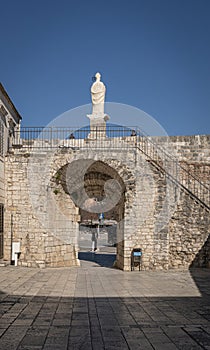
x=1, y=138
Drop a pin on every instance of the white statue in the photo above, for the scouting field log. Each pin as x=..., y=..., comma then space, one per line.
x=98, y=91
x=98, y=118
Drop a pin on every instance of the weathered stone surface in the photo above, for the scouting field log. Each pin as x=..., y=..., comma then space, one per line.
x=155, y=214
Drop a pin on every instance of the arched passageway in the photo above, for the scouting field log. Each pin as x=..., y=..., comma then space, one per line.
x=98, y=191
x=99, y=225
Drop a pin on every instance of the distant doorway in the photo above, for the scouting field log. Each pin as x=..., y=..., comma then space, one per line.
x=103, y=228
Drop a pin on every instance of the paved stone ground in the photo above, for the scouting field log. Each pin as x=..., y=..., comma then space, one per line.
x=98, y=307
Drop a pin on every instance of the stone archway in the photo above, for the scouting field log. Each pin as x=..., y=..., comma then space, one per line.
x=96, y=178
x=83, y=181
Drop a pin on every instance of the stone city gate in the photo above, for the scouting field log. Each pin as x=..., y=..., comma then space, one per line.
x=163, y=205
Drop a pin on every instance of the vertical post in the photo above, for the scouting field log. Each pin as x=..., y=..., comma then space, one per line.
x=11, y=238
x=16, y=259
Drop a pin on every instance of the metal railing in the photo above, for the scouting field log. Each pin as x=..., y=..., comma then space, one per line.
x=53, y=137
x=169, y=164
x=115, y=137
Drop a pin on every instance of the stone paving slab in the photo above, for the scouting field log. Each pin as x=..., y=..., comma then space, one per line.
x=98, y=307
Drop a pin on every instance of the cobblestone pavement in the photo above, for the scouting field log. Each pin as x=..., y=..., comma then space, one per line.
x=98, y=307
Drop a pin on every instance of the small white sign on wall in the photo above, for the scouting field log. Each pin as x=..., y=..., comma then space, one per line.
x=15, y=249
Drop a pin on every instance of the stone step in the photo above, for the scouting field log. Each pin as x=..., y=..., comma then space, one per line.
x=4, y=263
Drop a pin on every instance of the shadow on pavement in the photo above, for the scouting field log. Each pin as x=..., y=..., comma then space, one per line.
x=102, y=259
x=44, y=321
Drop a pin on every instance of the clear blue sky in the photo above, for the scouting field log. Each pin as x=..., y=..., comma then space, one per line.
x=152, y=54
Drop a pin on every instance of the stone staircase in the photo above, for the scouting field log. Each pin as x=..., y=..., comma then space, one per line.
x=168, y=165
x=192, y=213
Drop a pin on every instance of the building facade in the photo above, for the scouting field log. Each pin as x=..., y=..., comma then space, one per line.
x=155, y=190
x=9, y=125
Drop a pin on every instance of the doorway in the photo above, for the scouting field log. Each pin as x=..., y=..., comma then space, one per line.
x=99, y=229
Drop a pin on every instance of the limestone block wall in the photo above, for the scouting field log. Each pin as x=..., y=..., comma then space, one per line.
x=171, y=237
x=2, y=194
x=176, y=233
x=140, y=221
x=42, y=216
x=189, y=229
x=192, y=234
x=47, y=237
x=171, y=228
x=155, y=200
x=193, y=148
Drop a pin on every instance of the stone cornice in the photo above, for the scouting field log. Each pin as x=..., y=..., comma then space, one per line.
x=8, y=100
x=3, y=110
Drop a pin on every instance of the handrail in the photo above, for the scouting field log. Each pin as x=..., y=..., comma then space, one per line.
x=173, y=179
x=170, y=165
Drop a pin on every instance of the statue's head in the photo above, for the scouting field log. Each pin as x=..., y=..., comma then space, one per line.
x=98, y=76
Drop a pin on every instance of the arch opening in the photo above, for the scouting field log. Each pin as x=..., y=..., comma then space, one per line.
x=100, y=228
x=98, y=192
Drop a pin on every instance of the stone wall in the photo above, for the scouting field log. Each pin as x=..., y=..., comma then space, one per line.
x=189, y=229
x=9, y=123
x=39, y=212
x=193, y=148
x=2, y=195
x=47, y=237
x=176, y=234
x=171, y=227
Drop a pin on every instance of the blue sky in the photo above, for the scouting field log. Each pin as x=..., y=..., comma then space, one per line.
x=152, y=54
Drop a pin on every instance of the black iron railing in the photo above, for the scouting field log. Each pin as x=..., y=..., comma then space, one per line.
x=169, y=164
x=115, y=137
x=53, y=137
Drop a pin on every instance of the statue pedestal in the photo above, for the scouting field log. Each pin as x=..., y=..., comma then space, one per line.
x=97, y=126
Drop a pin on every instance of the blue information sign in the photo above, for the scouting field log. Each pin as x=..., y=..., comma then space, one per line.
x=137, y=253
